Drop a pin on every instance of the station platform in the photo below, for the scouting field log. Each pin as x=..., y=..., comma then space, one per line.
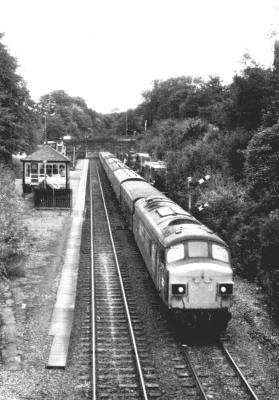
x=63, y=311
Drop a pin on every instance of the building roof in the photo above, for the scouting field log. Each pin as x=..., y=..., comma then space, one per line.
x=46, y=152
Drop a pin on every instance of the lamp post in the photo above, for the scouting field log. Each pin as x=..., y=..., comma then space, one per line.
x=87, y=135
x=45, y=127
x=189, y=180
x=44, y=162
x=46, y=109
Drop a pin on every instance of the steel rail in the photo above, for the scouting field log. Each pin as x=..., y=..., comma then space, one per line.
x=124, y=296
x=195, y=375
x=237, y=369
x=93, y=326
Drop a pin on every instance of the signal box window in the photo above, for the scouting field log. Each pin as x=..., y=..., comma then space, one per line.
x=42, y=170
x=55, y=169
x=197, y=249
x=62, y=170
x=220, y=253
x=49, y=169
x=27, y=170
x=175, y=253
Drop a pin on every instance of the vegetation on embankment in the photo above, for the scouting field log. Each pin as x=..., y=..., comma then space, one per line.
x=13, y=234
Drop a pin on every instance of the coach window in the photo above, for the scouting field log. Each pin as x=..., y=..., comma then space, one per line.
x=197, y=248
x=220, y=253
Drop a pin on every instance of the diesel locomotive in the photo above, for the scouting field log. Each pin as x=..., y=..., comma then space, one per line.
x=188, y=263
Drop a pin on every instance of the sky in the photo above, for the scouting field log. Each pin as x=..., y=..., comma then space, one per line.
x=110, y=51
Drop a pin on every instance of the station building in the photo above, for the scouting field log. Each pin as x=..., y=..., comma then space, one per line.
x=46, y=166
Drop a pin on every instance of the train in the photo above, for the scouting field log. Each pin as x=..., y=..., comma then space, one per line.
x=189, y=264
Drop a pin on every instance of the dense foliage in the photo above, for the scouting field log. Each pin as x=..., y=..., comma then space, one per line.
x=18, y=122
x=12, y=232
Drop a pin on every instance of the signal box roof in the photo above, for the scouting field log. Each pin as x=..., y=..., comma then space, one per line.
x=46, y=153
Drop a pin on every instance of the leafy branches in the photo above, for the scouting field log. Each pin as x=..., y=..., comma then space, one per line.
x=12, y=233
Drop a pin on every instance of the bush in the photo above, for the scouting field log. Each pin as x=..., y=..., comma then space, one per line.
x=262, y=165
x=12, y=233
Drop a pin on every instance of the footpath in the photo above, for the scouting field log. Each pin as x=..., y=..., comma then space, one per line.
x=63, y=312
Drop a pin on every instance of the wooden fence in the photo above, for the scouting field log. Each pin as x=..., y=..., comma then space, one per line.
x=52, y=198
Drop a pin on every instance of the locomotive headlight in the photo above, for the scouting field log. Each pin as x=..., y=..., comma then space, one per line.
x=178, y=289
x=225, y=289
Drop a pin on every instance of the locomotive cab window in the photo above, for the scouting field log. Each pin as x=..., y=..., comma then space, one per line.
x=197, y=248
x=220, y=253
x=175, y=253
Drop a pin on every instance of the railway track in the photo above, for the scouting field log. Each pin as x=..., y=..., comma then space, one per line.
x=216, y=373
x=159, y=367
x=117, y=368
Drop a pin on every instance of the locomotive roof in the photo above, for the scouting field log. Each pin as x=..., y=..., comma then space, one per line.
x=171, y=223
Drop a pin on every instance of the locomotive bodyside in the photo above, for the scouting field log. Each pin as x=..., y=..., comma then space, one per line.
x=189, y=264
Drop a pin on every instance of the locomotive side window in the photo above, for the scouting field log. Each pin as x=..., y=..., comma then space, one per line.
x=220, y=253
x=175, y=253
x=197, y=248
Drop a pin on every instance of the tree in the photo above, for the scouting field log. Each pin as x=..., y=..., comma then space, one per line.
x=271, y=110
x=18, y=122
x=248, y=95
x=66, y=115
x=164, y=100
